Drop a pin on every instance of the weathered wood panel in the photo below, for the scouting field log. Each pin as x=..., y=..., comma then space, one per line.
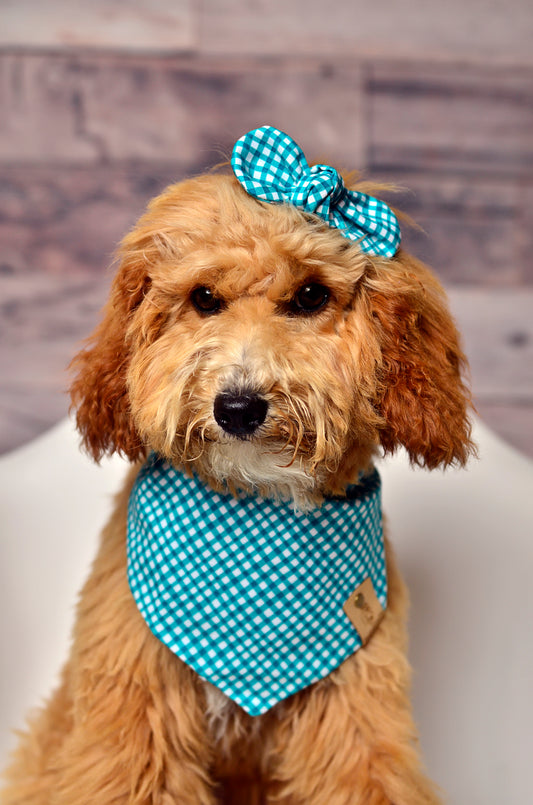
x=130, y=25
x=497, y=31
x=69, y=221
x=524, y=245
x=88, y=108
x=446, y=119
x=472, y=230
x=513, y=423
x=43, y=319
x=494, y=31
x=498, y=336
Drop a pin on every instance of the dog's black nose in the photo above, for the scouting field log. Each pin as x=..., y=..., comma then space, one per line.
x=240, y=414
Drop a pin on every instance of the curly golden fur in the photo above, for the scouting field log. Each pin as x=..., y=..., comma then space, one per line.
x=376, y=367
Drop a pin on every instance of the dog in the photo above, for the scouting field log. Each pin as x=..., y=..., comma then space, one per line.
x=251, y=349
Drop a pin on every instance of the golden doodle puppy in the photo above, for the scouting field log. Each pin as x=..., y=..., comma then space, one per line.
x=242, y=635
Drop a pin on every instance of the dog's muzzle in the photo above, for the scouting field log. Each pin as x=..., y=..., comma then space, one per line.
x=240, y=414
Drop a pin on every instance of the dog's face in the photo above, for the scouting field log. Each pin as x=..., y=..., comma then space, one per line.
x=253, y=344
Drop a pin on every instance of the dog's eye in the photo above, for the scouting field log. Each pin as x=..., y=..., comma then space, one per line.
x=205, y=301
x=310, y=298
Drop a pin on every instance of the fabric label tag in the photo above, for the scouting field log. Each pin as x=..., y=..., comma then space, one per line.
x=364, y=610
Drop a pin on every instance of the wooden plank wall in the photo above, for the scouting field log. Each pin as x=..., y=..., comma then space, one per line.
x=102, y=110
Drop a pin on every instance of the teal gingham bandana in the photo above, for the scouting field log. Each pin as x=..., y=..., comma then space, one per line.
x=248, y=592
x=272, y=167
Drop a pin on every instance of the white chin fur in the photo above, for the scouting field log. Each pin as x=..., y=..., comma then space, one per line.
x=250, y=466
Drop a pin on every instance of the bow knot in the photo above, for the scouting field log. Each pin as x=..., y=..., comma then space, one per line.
x=272, y=167
x=323, y=185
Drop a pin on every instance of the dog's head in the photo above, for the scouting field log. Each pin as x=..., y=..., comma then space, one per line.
x=255, y=345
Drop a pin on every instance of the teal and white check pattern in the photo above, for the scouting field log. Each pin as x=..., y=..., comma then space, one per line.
x=248, y=592
x=272, y=167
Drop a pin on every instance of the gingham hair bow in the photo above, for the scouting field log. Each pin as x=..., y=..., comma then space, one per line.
x=272, y=167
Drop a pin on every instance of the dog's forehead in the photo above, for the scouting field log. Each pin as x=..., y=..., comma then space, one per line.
x=223, y=237
x=260, y=266
x=253, y=269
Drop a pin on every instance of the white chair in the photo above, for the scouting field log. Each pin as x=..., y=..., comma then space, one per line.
x=464, y=541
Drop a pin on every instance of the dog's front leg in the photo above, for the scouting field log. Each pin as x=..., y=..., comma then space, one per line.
x=133, y=744
x=127, y=726
x=350, y=740
x=112, y=739
x=138, y=735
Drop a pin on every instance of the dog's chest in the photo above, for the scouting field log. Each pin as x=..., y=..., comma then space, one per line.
x=250, y=593
x=220, y=711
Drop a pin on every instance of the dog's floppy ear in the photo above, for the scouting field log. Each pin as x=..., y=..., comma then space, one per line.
x=423, y=398
x=98, y=391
